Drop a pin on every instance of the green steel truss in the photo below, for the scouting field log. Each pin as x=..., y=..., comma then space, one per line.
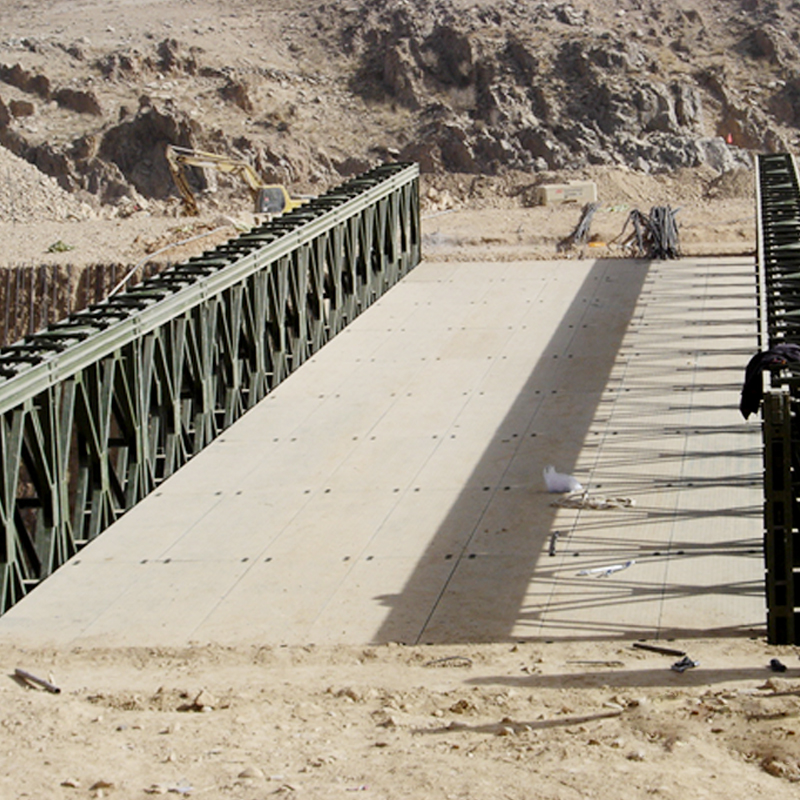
x=778, y=281
x=99, y=408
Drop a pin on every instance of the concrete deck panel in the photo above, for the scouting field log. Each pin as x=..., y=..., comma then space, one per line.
x=391, y=489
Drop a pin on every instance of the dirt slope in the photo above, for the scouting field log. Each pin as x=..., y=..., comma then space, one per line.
x=490, y=98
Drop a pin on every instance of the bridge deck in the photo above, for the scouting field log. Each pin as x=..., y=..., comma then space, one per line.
x=391, y=489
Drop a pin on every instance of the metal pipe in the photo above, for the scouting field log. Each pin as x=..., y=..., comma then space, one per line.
x=27, y=676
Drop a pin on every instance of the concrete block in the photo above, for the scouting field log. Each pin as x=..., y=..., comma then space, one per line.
x=550, y=194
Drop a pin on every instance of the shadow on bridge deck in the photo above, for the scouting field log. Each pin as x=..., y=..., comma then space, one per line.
x=391, y=489
x=645, y=361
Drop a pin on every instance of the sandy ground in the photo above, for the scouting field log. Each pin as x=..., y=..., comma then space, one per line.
x=719, y=228
x=102, y=241
x=465, y=217
x=459, y=231
x=576, y=720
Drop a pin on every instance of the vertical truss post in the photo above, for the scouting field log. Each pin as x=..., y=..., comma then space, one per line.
x=778, y=295
x=780, y=523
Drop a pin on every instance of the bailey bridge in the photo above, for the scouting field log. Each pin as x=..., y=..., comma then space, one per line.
x=265, y=445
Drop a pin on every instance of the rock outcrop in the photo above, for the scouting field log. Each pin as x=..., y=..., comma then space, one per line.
x=480, y=89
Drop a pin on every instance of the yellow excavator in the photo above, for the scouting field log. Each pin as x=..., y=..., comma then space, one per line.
x=268, y=198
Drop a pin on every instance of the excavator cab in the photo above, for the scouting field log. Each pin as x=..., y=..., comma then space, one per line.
x=272, y=200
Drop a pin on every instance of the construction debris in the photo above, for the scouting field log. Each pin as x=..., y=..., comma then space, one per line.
x=654, y=236
x=560, y=482
x=664, y=651
x=684, y=664
x=27, y=677
x=580, y=235
x=604, y=572
x=593, y=501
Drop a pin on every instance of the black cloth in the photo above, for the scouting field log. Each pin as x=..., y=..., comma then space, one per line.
x=774, y=358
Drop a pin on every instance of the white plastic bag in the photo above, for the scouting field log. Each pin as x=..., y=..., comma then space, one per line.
x=559, y=482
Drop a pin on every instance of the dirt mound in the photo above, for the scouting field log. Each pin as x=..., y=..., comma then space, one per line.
x=734, y=184
x=28, y=195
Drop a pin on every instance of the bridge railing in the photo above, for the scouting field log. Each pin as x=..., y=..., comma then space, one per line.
x=778, y=281
x=99, y=408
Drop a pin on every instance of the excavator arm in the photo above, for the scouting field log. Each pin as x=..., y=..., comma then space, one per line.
x=267, y=198
x=175, y=163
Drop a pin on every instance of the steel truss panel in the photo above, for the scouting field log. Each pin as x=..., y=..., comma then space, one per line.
x=778, y=282
x=101, y=407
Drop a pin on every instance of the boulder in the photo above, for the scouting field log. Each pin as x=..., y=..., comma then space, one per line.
x=76, y=50
x=450, y=57
x=54, y=162
x=238, y=93
x=524, y=62
x=25, y=81
x=763, y=44
x=82, y=102
x=103, y=179
x=121, y=64
x=656, y=108
x=84, y=147
x=744, y=124
x=21, y=108
x=688, y=105
x=352, y=166
x=567, y=14
x=456, y=151
x=136, y=146
x=492, y=153
x=784, y=105
x=401, y=75
x=542, y=146
x=423, y=153
x=612, y=109
x=715, y=152
x=618, y=55
x=171, y=58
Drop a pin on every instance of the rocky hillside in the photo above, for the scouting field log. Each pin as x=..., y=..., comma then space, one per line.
x=320, y=90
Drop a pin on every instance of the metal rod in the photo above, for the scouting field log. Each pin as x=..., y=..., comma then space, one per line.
x=27, y=676
x=664, y=651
